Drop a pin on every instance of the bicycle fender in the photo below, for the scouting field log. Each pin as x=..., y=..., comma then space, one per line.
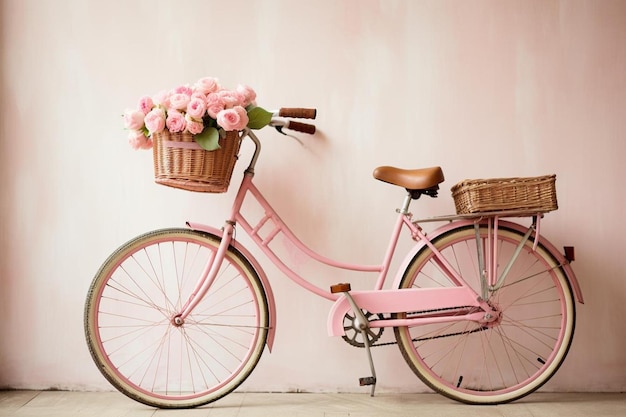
x=271, y=304
x=569, y=272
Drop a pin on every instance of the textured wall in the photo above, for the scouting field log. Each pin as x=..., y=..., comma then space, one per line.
x=482, y=88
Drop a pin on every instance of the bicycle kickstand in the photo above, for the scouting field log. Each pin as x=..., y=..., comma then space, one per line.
x=363, y=325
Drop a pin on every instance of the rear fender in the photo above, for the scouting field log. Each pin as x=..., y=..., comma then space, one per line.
x=569, y=272
x=271, y=304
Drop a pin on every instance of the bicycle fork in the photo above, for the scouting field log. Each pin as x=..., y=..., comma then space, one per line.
x=208, y=276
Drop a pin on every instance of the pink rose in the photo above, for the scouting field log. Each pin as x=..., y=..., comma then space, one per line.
x=162, y=98
x=207, y=85
x=145, y=104
x=249, y=95
x=138, y=140
x=214, y=104
x=193, y=126
x=233, y=119
x=155, y=120
x=179, y=101
x=199, y=96
x=231, y=98
x=175, y=121
x=133, y=119
x=196, y=108
x=183, y=89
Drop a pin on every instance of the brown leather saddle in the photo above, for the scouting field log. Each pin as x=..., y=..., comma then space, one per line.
x=415, y=181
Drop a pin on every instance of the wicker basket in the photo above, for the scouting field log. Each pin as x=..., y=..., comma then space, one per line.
x=534, y=195
x=181, y=163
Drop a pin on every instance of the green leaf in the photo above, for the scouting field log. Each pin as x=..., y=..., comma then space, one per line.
x=208, y=139
x=259, y=118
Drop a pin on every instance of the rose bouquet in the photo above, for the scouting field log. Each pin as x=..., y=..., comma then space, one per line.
x=204, y=109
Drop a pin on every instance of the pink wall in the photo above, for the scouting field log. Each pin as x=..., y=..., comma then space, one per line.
x=482, y=88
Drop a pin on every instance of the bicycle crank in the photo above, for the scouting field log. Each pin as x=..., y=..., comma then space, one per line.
x=361, y=323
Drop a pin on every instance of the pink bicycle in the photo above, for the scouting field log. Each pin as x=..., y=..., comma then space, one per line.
x=482, y=309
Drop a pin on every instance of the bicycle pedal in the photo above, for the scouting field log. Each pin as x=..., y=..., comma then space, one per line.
x=368, y=380
x=342, y=287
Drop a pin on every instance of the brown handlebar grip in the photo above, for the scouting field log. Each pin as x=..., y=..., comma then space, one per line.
x=301, y=127
x=299, y=113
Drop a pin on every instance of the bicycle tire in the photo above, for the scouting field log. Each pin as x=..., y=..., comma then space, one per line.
x=477, y=364
x=134, y=341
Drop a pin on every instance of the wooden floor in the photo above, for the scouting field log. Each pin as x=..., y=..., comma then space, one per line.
x=113, y=404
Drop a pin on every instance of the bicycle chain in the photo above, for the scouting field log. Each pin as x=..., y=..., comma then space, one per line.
x=417, y=339
x=480, y=329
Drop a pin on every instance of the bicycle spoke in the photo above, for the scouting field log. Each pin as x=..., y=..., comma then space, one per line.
x=509, y=357
x=135, y=341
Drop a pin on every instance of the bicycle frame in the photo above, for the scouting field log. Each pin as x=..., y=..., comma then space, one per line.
x=462, y=298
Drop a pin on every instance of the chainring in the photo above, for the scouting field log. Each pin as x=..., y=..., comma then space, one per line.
x=353, y=335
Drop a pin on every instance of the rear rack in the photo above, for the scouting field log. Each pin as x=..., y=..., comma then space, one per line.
x=480, y=216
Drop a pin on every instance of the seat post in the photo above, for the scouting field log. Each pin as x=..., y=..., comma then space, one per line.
x=406, y=204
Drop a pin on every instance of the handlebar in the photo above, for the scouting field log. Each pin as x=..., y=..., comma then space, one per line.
x=297, y=112
x=300, y=127
x=304, y=113
x=279, y=124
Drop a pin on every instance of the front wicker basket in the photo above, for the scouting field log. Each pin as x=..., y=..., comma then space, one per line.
x=180, y=162
x=531, y=194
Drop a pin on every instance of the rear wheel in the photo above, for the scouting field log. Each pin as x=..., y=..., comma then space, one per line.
x=139, y=345
x=504, y=360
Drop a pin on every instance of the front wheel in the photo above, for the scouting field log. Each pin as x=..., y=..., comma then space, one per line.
x=500, y=361
x=139, y=345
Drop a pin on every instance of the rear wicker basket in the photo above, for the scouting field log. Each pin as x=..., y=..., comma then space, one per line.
x=532, y=195
x=181, y=163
